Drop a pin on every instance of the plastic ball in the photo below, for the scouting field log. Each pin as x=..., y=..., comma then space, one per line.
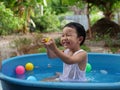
x=88, y=67
x=32, y=78
x=20, y=70
x=29, y=66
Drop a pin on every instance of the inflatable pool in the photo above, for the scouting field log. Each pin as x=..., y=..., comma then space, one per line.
x=105, y=73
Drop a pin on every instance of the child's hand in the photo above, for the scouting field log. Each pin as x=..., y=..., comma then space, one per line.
x=45, y=40
x=49, y=43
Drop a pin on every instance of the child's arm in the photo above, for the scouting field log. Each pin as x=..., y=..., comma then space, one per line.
x=66, y=58
x=71, y=59
x=51, y=54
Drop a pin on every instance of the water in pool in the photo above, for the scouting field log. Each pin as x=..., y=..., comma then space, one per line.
x=103, y=76
x=99, y=76
x=40, y=72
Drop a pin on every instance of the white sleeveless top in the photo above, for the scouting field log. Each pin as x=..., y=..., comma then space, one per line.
x=72, y=72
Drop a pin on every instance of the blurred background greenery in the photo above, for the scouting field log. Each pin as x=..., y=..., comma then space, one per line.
x=22, y=17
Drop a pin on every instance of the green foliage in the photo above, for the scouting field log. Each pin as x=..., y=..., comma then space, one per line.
x=62, y=6
x=86, y=48
x=9, y=3
x=47, y=23
x=57, y=6
x=61, y=48
x=8, y=22
x=107, y=6
x=78, y=3
x=114, y=49
x=111, y=43
x=42, y=50
x=102, y=4
x=57, y=41
x=107, y=40
x=95, y=15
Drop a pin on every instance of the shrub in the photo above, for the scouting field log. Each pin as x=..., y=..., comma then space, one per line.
x=47, y=23
x=8, y=22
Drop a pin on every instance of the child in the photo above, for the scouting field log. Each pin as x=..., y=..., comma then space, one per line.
x=73, y=56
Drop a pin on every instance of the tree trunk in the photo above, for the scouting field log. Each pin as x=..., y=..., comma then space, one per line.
x=118, y=16
x=89, y=26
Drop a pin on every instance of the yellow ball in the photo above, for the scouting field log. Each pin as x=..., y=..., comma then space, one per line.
x=29, y=66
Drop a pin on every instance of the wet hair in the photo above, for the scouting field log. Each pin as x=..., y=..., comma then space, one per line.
x=79, y=29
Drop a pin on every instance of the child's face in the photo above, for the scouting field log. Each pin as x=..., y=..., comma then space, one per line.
x=69, y=38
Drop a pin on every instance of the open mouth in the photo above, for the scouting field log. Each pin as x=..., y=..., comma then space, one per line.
x=65, y=43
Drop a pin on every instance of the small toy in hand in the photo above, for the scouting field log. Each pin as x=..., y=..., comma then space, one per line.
x=29, y=66
x=47, y=39
x=20, y=70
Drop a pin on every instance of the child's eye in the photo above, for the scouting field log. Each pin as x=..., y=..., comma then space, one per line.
x=63, y=35
x=69, y=35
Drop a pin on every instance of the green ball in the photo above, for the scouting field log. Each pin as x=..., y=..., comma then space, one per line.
x=88, y=67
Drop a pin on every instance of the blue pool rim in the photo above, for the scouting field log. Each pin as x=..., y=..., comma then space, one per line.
x=65, y=85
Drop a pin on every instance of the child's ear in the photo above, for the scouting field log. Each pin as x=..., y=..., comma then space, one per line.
x=80, y=39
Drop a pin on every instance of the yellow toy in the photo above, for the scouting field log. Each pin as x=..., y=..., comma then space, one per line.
x=47, y=39
x=29, y=66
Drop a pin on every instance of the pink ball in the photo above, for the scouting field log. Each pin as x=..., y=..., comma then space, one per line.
x=20, y=69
